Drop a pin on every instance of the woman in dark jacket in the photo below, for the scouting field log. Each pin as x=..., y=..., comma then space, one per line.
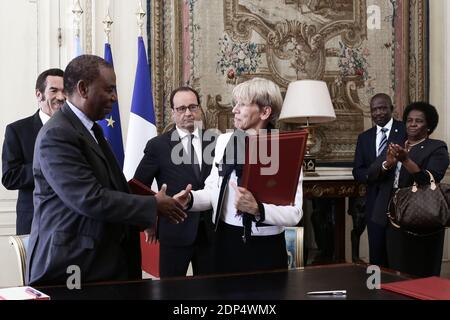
x=419, y=255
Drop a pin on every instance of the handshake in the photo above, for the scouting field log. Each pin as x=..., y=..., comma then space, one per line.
x=173, y=207
x=170, y=207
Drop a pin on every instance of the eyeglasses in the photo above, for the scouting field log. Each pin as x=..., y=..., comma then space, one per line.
x=191, y=107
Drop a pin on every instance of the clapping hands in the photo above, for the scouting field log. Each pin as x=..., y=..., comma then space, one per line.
x=397, y=152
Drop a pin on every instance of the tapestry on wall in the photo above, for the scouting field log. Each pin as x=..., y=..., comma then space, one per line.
x=358, y=47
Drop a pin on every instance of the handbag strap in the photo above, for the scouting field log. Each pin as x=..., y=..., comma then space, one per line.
x=390, y=208
x=432, y=183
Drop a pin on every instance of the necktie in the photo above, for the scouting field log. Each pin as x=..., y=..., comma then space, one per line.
x=98, y=132
x=193, y=157
x=383, y=141
x=121, y=231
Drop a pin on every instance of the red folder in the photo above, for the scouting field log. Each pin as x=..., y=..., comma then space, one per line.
x=149, y=251
x=138, y=187
x=431, y=288
x=260, y=177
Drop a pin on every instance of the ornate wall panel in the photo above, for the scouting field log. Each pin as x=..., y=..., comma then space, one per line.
x=359, y=47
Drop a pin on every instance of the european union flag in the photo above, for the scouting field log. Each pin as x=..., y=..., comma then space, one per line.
x=111, y=124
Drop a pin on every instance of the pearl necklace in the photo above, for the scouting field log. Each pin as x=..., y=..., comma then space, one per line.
x=409, y=145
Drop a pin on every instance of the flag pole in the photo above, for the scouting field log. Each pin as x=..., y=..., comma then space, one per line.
x=77, y=11
x=107, y=22
x=111, y=125
x=141, y=128
x=140, y=14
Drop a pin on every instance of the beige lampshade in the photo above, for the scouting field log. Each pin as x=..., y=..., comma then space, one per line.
x=307, y=101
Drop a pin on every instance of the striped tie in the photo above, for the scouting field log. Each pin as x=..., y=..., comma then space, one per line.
x=383, y=141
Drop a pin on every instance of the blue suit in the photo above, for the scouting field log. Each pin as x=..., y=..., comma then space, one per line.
x=191, y=239
x=83, y=213
x=365, y=155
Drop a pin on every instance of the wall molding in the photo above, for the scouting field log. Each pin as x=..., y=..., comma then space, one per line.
x=446, y=100
x=446, y=53
x=7, y=217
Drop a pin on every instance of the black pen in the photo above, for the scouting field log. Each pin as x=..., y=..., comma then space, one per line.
x=328, y=293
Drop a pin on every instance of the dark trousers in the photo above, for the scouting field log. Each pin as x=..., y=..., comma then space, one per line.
x=174, y=261
x=377, y=244
x=416, y=255
x=23, y=222
x=257, y=253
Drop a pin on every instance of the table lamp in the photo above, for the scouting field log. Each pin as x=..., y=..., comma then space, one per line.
x=308, y=102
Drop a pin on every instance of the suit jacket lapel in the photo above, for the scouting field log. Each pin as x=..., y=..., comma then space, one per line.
x=82, y=131
x=395, y=131
x=373, y=144
x=174, y=137
x=174, y=140
x=37, y=123
x=205, y=167
x=115, y=174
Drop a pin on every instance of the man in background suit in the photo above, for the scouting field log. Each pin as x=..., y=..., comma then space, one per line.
x=190, y=240
x=84, y=215
x=372, y=144
x=18, y=146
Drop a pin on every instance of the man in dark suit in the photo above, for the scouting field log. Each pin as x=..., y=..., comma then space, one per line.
x=84, y=215
x=372, y=144
x=18, y=146
x=163, y=160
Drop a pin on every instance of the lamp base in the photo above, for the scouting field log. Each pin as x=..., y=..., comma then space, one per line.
x=309, y=165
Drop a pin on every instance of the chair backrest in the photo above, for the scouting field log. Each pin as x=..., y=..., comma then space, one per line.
x=20, y=245
x=294, y=246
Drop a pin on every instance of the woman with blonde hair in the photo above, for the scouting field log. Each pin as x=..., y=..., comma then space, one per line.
x=250, y=234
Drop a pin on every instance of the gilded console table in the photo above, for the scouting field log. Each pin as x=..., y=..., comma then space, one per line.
x=336, y=183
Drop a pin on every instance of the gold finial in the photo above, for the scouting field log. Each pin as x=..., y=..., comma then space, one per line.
x=140, y=14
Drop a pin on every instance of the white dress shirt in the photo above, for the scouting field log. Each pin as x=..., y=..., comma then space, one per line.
x=44, y=117
x=184, y=137
x=388, y=126
x=88, y=123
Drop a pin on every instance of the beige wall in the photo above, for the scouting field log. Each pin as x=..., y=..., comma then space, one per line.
x=18, y=69
x=29, y=33
x=440, y=76
x=439, y=65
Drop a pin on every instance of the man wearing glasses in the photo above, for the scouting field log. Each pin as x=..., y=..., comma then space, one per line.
x=178, y=158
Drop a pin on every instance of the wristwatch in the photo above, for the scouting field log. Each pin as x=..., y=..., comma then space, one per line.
x=383, y=165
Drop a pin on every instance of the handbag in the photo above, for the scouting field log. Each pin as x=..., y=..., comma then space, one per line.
x=421, y=209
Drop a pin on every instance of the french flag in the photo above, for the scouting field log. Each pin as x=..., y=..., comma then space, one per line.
x=142, y=124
